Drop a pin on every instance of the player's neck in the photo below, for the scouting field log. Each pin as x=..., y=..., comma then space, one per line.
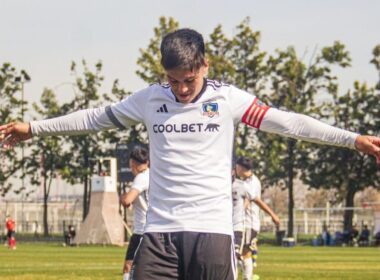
x=246, y=175
x=141, y=169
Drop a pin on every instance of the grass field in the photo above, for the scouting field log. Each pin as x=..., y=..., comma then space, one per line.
x=48, y=262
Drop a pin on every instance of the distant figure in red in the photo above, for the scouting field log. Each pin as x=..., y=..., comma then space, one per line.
x=11, y=234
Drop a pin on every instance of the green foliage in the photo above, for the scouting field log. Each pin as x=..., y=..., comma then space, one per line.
x=136, y=133
x=240, y=62
x=218, y=50
x=83, y=148
x=46, y=158
x=376, y=62
x=150, y=58
x=11, y=109
x=344, y=169
x=294, y=86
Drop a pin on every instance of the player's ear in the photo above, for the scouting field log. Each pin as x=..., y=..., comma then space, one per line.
x=206, y=63
x=205, y=67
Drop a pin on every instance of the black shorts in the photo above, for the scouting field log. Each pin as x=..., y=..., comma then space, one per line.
x=11, y=234
x=132, y=247
x=184, y=256
x=244, y=239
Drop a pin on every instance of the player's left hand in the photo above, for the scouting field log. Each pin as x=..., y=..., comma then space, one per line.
x=369, y=145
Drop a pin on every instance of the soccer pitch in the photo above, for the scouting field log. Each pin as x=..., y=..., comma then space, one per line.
x=48, y=262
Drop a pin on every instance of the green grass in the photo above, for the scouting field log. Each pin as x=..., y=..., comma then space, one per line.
x=51, y=262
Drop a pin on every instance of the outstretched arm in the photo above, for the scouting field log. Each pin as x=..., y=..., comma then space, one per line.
x=302, y=127
x=80, y=122
x=267, y=210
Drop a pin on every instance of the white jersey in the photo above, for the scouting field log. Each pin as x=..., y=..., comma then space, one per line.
x=252, y=213
x=241, y=194
x=191, y=147
x=140, y=205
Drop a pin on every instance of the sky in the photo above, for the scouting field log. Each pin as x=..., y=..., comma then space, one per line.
x=44, y=36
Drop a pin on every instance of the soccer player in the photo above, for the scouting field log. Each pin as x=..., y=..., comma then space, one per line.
x=11, y=232
x=190, y=122
x=138, y=196
x=246, y=193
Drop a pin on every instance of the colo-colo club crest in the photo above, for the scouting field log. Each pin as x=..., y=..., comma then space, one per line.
x=210, y=109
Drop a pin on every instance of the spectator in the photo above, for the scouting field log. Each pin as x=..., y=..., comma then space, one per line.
x=70, y=235
x=377, y=239
x=364, y=236
x=354, y=234
x=11, y=233
x=326, y=236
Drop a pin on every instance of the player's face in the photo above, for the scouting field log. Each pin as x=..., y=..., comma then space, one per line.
x=132, y=165
x=240, y=170
x=186, y=84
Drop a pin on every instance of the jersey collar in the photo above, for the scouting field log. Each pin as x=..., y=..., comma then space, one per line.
x=199, y=94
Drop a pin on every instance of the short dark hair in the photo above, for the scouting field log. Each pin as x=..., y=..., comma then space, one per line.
x=184, y=49
x=140, y=155
x=247, y=163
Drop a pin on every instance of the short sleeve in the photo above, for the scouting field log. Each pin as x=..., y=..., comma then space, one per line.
x=256, y=186
x=130, y=110
x=246, y=107
x=141, y=182
x=250, y=193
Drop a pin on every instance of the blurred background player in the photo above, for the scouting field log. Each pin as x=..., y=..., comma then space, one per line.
x=247, y=202
x=138, y=196
x=11, y=233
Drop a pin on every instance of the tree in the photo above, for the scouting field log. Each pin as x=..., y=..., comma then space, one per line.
x=294, y=86
x=376, y=62
x=250, y=74
x=239, y=61
x=135, y=133
x=46, y=158
x=344, y=169
x=150, y=58
x=218, y=50
x=11, y=109
x=85, y=148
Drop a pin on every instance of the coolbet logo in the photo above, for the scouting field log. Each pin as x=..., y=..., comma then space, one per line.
x=185, y=128
x=210, y=109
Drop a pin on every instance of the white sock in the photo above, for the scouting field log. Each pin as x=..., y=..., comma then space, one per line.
x=248, y=268
x=126, y=276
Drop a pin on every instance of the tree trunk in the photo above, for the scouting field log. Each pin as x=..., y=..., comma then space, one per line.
x=45, y=218
x=349, y=214
x=290, y=167
x=85, y=181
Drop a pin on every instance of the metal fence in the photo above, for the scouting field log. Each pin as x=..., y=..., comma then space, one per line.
x=29, y=215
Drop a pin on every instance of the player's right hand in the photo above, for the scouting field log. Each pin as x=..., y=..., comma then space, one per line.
x=13, y=133
x=276, y=220
x=123, y=200
x=369, y=145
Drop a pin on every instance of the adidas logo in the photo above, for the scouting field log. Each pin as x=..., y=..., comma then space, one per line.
x=163, y=109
